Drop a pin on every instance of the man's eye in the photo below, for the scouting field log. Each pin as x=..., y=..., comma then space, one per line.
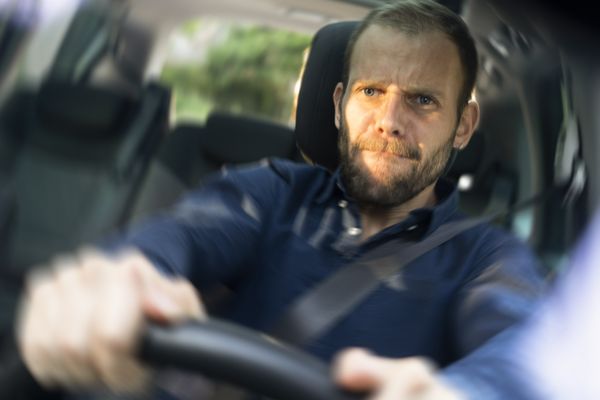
x=424, y=100
x=370, y=92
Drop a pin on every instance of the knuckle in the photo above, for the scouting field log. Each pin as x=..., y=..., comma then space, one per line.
x=354, y=355
x=38, y=356
x=39, y=300
x=73, y=349
x=415, y=367
x=67, y=276
x=189, y=297
x=39, y=291
x=63, y=259
x=88, y=253
x=102, y=366
x=110, y=341
x=348, y=360
x=38, y=280
x=186, y=290
x=121, y=374
x=135, y=259
x=32, y=349
x=87, y=249
x=93, y=262
x=89, y=264
x=423, y=364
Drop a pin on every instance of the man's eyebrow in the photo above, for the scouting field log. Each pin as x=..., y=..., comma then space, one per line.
x=367, y=82
x=425, y=91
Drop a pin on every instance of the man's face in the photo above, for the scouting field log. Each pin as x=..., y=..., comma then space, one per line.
x=397, y=118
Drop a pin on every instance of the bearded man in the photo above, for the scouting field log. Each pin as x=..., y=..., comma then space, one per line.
x=273, y=231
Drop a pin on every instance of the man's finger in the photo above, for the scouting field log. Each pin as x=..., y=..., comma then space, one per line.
x=74, y=342
x=164, y=299
x=357, y=369
x=37, y=316
x=116, y=327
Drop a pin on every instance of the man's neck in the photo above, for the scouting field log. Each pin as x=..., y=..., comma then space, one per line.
x=375, y=220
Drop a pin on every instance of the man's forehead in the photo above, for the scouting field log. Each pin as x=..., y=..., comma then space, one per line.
x=381, y=50
x=386, y=40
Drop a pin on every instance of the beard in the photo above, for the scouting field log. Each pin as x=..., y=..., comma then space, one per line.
x=389, y=190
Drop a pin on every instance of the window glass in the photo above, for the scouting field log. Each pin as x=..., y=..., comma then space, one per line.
x=238, y=68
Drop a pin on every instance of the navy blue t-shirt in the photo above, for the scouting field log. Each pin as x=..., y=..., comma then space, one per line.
x=272, y=231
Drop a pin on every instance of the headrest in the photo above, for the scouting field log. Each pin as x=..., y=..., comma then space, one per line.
x=240, y=139
x=82, y=112
x=316, y=134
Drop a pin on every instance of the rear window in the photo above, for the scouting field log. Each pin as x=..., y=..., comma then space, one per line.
x=215, y=65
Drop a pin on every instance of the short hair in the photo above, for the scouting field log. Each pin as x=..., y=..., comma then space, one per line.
x=414, y=17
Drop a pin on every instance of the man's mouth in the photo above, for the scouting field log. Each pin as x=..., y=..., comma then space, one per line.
x=390, y=149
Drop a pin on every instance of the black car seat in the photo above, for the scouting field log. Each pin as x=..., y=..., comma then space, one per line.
x=228, y=138
x=8, y=284
x=193, y=151
x=82, y=153
x=75, y=156
x=316, y=135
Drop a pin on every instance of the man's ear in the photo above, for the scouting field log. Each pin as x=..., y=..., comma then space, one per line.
x=469, y=120
x=338, y=94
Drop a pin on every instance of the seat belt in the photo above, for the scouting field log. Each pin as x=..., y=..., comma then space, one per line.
x=320, y=309
x=569, y=165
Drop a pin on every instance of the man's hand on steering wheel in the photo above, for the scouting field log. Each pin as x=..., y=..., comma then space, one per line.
x=81, y=319
x=410, y=378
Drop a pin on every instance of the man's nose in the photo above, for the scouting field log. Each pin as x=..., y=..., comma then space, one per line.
x=391, y=119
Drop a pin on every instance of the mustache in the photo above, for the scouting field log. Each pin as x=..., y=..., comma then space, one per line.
x=399, y=148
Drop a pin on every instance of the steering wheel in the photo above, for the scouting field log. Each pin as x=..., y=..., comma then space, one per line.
x=240, y=356
x=227, y=352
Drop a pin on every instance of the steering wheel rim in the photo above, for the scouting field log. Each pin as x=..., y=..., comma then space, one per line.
x=242, y=357
x=217, y=349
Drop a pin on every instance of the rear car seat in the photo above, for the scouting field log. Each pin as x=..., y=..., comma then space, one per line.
x=191, y=152
x=225, y=139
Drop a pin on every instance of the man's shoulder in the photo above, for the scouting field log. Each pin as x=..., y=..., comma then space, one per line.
x=489, y=232
x=499, y=237
x=491, y=244
x=278, y=169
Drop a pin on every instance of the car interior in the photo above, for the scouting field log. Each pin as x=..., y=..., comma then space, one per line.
x=88, y=146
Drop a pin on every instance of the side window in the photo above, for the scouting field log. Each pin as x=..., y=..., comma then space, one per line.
x=245, y=69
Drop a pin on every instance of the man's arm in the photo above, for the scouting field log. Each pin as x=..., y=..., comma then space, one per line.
x=503, y=291
x=213, y=234
x=553, y=354
x=81, y=316
x=490, y=310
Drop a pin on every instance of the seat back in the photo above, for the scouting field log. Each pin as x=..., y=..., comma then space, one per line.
x=8, y=287
x=192, y=152
x=226, y=139
x=316, y=133
x=7, y=215
x=83, y=154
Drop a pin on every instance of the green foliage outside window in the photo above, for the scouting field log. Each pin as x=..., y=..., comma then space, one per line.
x=252, y=71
